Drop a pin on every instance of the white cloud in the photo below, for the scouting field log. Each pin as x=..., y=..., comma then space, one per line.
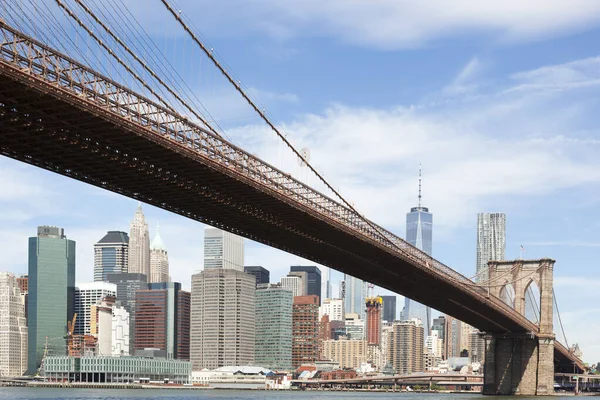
x=465, y=81
x=387, y=24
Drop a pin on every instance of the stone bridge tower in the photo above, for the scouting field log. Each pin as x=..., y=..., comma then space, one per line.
x=521, y=363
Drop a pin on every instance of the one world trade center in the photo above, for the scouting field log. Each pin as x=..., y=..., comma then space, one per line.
x=419, y=224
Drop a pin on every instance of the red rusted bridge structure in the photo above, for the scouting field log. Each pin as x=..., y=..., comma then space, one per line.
x=63, y=116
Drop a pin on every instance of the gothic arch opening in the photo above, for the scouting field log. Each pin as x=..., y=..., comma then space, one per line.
x=532, y=302
x=507, y=294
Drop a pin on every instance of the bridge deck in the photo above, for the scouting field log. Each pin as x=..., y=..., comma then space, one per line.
x=64, y=117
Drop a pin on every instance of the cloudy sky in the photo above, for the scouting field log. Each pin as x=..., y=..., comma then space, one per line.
x=498, y=100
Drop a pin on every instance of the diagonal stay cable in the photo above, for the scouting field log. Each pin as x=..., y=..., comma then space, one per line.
x=114, y=55
x=145, y=66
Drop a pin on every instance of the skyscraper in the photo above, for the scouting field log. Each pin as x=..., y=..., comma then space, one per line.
x=13, y=327
x=274, y=328
x=111, y=255
x=223, y=250
x=439, y=326
x=334, y=308
x=127, y=286
x=356, y=293
x=139, y=244
x=491, y=241
x=419, y=229
x=305, y=330
x=406, y=347
x=162, y=319
x=389, y=308
x=159, y=260
x=314, y=278
x=87, y=295
x=262, y=274
x=295, y=284
x=51, y=293
x=373, y=327
x=223, y=318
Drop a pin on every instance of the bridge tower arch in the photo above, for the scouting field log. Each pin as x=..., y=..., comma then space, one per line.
x=521, y=363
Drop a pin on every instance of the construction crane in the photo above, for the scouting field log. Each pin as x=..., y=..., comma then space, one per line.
x=70, y=335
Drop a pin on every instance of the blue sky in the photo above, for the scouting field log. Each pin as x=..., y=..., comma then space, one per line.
x=496, y=99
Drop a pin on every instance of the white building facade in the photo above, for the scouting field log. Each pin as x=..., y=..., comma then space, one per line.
x=295, y=284
x=139, y=244
x=334, y=308
x=223, y=250
x=159, y=260
x=13, y=327
x=87, y=295
x=120, y=331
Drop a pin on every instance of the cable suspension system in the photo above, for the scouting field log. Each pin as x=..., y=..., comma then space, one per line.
x=144, y=65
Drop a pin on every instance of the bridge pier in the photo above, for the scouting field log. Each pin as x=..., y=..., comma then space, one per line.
x=519, y=364
x=522, y=363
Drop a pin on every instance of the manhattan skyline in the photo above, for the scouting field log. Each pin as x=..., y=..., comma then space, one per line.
x=506, y=124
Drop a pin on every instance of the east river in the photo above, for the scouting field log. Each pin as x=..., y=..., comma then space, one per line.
x=16, y=393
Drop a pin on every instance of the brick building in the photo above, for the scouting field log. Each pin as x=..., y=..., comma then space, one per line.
x=305, y=330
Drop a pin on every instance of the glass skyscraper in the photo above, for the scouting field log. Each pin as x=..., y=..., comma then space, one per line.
x=419, y=232
x=274, y=328
x=491, y=242
x=111, y=255
x=356, y=293
x=51, y=293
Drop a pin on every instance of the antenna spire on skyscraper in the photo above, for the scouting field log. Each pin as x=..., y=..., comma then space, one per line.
x=419, y=185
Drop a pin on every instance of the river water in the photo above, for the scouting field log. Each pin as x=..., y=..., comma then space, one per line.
x=116, y=394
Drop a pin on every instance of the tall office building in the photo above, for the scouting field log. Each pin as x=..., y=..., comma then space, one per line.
x=305, y=330
x=355, y=326
x=127, y=286
x=223, y=250
x=139, y=244
x=223, y=318
x=491, y=241
x=87, y=295
x=13, y=327
x=111, y=255
x=406, y=347
x=419, y=233
x=326, y=284
x=295, y=284
x=334, y=308
x=51, y=293
x=274, y=328
x=439, y=326
x=389, y=308
x=356, y=294
x=348, y=353
x=304, y=276
x=159, y=260
x=314, y=278
x=162, y=319
x=374, y=306
x=262, y=274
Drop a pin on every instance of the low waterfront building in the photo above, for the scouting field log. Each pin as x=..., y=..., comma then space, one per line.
x=234, y=377
x=127, y=369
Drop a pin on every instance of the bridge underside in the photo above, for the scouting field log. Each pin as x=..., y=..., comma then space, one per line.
x=61, y=132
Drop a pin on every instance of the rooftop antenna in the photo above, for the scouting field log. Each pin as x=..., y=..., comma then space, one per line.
x=419, y=185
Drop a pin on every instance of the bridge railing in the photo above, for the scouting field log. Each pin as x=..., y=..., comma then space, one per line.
x=26, y=55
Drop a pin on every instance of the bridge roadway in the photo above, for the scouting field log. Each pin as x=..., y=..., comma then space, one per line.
x=60, y=115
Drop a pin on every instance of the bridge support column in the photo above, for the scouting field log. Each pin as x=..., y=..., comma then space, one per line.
x=519, y=364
